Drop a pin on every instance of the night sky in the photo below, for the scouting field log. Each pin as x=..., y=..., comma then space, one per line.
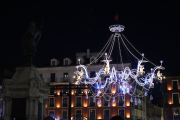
x=151, y=26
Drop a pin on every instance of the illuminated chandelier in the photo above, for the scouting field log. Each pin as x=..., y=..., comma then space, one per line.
x=123, y=81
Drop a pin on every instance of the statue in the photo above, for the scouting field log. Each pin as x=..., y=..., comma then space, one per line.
x=30, y=41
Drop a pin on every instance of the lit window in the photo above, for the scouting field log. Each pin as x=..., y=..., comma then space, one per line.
x=176, y=113
x=65, y=77
x=65, y=89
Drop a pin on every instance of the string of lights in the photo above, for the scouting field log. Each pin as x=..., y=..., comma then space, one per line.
x=121, y=82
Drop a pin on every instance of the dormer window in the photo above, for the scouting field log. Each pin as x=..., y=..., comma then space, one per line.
x=67, y=61
x=54, y=62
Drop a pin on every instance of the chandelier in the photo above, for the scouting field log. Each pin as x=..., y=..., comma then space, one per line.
x=121, y=82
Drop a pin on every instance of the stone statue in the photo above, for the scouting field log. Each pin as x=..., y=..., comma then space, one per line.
x=30, y=41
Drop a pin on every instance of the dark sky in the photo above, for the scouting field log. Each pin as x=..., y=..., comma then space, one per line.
x=151, y=26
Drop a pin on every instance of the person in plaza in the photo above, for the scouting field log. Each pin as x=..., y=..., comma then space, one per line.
x=48, y=118
x=117, y=117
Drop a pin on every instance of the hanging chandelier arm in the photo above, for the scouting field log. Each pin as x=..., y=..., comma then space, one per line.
x=102, y=52
x=112, y=46
x=127, y=48
x=120, y=53
x=137, y=50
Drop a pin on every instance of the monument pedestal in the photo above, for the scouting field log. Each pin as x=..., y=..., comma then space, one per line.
x=25, y=95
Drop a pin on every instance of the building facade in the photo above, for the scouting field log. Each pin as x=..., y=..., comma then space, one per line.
x=171, y=103
x=62, y=73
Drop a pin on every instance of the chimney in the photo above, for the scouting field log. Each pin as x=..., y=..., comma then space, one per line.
x=88, y=53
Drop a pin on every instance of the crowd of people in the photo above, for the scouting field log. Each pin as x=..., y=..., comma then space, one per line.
x=51, y=118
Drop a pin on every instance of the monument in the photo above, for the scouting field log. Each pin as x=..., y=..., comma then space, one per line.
x=25, y=94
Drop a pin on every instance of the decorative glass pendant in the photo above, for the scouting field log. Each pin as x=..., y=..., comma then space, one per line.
x=151, y=97
x=86, y=96
x=108, y=104
x=145, y=93
x=124, y=105
x=114, y=99
x=97, y=93
x=135, y=101
x=94, y=100
x=131, y=100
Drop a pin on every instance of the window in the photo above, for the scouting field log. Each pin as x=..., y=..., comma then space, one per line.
x=121, y=102
x=78, y=101
x=53, y=63
x=65, y=89
x=106, y=114
x=176, y=113
x=66, y=62
x=65, y=102
x=92, y=104
x=175, y=98
x=64, y=114
x=78, y=90
x=92, y=114
x=175, y=84
x=93, y=89
x=106, y=98
x=51, y=102
x=51, y=91
x=78, y=114
x=92, y=74
x=65, y=77
x=52, y=77
x=121, y=113
x=41, y=75
x=108, y=89
x=51, y=112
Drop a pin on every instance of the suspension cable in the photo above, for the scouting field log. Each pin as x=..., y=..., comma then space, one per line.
x=137, y=50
